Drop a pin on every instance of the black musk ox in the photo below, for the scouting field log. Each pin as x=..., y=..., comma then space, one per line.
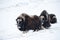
x=26, y=22
x=47, y=19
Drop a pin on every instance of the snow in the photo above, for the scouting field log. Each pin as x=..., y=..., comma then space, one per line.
x=11, y=9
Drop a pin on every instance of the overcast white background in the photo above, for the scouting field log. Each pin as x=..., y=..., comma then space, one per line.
x=11, y=9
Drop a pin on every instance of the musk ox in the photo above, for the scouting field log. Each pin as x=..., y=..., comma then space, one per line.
x=47, y=19
x=26, y=22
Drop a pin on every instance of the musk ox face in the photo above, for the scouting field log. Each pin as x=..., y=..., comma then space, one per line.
x=20, y=22
x=53, y=18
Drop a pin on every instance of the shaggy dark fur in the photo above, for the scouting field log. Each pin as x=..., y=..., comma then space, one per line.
x=20, y=24
x=45, y=19
x=30, y=23
x=26, y=22
x=53, y=18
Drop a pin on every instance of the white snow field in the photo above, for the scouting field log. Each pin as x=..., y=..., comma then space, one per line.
x=11, y=9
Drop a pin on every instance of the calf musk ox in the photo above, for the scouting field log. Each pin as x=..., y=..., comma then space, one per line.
x=47, y=19
x=26, y=22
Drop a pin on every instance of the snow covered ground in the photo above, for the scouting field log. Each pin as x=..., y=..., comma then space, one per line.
x=11, y=9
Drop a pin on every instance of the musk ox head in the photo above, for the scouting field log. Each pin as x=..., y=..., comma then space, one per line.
x=53, y=18
x=21, y=22
x=45, y=19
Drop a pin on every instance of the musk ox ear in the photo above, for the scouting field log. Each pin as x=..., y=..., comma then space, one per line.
x=53, y=18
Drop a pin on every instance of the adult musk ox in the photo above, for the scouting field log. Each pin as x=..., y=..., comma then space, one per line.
x=26, y=22
x=47, y=19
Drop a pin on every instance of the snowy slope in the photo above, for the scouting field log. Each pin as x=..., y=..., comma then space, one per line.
x=11, y=9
